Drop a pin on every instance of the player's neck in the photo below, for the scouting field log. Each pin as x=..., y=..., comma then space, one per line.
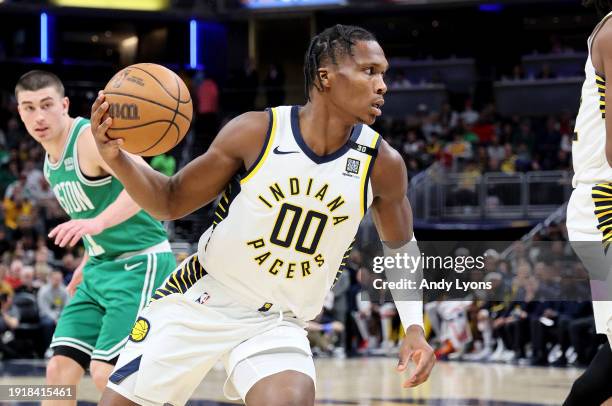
x=55, y=146
x=323, y=130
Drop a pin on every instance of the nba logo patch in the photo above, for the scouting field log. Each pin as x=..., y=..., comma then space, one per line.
x=352, y=166
x=204, y=298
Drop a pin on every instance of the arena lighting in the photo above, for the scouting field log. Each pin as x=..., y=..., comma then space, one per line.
x=193, y=44
x=142, y=5
x=491, y=7
x=263, y=4
x=44, y=38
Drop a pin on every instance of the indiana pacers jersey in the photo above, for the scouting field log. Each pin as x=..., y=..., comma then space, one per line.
x=588, y=148
x=283, y=230
x=84, y=198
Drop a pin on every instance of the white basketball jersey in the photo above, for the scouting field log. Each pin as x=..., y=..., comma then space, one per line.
x=282, y=233
x=588, y=149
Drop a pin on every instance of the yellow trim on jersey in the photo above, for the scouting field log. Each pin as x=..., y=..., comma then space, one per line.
x=362, y=201
x=266, y=152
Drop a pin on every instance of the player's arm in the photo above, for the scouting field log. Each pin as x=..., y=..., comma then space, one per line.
x=195, y=185
x=392, y=216
x=122, y=209
x=603, y=43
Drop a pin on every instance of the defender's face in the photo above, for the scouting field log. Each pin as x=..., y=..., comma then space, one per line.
x=358, y=84
x=42, y=111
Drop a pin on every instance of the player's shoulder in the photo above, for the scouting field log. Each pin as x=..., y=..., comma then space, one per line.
x=603, y=35
x=244, y=133
x=389, y=171
x=388, y=158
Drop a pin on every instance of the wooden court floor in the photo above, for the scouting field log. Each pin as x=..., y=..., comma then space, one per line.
x=374, y=382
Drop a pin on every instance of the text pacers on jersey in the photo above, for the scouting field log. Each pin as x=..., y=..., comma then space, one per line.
x=285, y=232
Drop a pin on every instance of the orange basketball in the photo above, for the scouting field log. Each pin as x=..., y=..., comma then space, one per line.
x=151, y=108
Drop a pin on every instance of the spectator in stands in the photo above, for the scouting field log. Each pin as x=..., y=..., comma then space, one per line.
x=52, y=298
x=14, y=272
x=413, y=146
x=524, y=135
x=431, y=125
x=496, y=150
x=469, y=115
x=324, y=331
x=508, y=164
x=27, y=281
x=9, y=321
x=207, y=121
x=459, y=148
x=19, y=212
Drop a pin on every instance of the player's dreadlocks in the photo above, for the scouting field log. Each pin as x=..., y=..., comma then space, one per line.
x=603, y=7
x=328, y=46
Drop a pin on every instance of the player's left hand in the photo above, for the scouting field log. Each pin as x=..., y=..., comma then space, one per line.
x=415, y=347
x=72, y=231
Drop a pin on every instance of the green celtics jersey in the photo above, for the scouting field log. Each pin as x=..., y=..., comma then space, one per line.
x=85, y=198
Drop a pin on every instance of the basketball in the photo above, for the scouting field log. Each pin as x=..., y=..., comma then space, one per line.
x=151, y=108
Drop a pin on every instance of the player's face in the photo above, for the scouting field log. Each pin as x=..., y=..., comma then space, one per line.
x=43, y=112
x=358, y=84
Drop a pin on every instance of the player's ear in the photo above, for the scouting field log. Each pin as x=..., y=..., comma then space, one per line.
x=323, y=75
x=65, y=105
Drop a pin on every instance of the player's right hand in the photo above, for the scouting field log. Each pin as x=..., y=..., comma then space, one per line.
x=100, y=122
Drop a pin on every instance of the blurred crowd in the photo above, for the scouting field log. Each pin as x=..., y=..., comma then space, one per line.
x=476, y=141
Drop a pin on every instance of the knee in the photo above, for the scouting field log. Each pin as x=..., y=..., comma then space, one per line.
x=112, y=398
x=54, y=370
x=294, y=396
x=99, y=374
x=287, y=393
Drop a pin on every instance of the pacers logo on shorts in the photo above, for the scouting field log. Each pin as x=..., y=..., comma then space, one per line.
x=140, y=330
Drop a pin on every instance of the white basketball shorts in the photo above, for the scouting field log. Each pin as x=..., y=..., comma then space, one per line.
x=584, y=225
x=190, y=324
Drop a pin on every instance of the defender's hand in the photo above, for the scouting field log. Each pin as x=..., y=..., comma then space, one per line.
x=72, y=231
x=414, y=347
x=100, y=123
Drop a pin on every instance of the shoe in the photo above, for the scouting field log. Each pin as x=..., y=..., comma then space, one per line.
x=507, y=356
x=478, y=356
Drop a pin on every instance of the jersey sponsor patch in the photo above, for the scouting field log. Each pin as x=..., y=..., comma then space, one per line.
x=140, y=330
x=352, y=165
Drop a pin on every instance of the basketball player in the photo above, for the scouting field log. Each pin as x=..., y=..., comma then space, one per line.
x=305, y=177
x=127, y=251
x=588, y=211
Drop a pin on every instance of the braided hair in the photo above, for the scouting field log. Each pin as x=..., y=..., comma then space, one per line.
x=603, y=7
x=329, y=46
